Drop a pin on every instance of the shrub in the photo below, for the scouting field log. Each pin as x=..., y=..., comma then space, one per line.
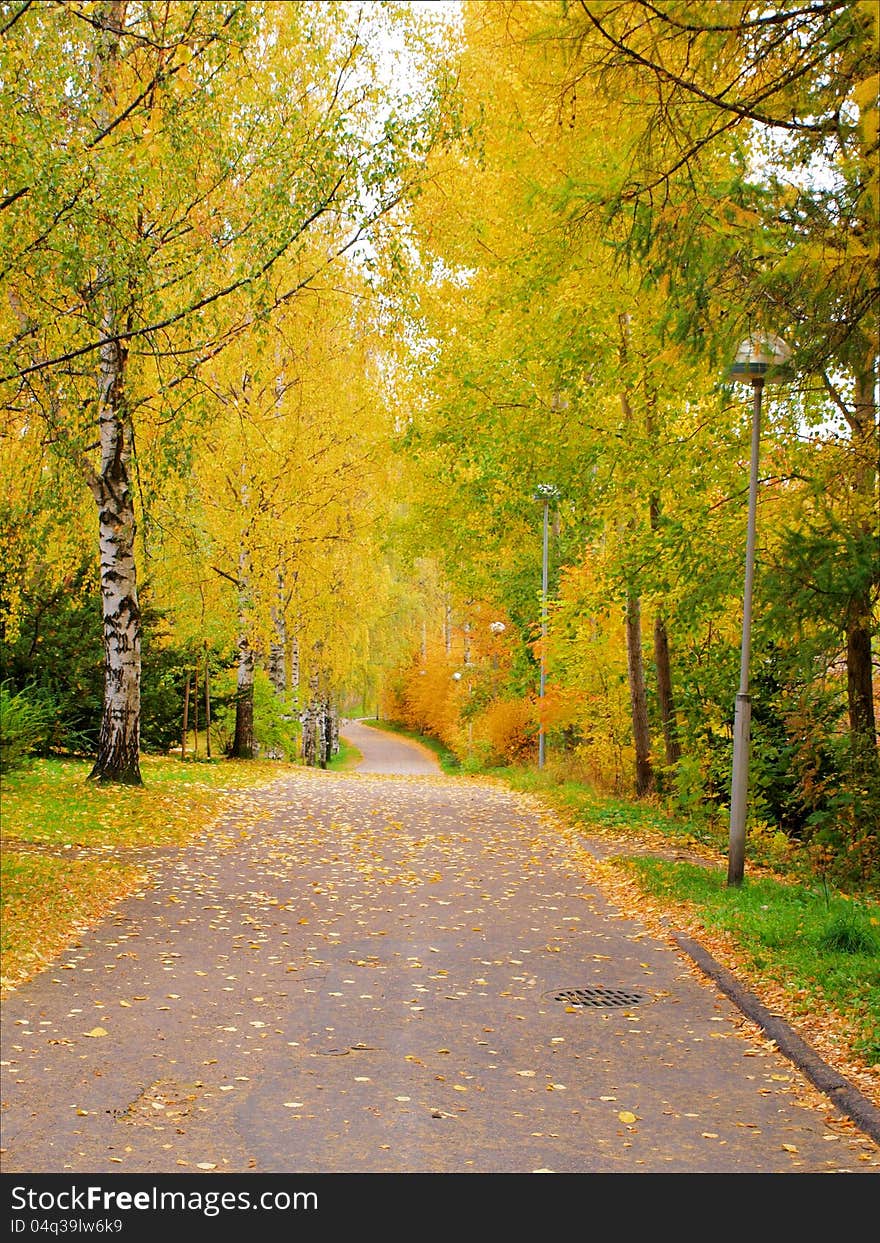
x=848, y=933
x=508, y=727
x=24, y=725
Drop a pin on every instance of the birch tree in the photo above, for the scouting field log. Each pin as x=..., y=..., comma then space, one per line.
x=149, y=193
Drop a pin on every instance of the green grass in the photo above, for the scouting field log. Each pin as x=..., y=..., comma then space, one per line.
x=824, y=951
x=53, y=803
x=346, y=758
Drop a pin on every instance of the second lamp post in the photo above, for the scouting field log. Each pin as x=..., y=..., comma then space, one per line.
x=545, y=492
x=760, y=360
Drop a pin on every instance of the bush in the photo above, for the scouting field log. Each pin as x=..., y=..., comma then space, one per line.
x=508, y=726
x=25, y=722
x=848, y=933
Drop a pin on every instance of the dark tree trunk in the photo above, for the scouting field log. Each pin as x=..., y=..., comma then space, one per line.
x=196, y=712
x=638, y=697
x=860, y=673
x=207, y=706
x=662, y=662
x=185, y=730
x=859, y=620
x=664, y=692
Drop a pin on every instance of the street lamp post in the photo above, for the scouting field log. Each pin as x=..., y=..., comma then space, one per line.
x=545, y=492
x=760, y=360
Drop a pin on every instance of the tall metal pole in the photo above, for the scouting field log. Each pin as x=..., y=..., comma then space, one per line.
x=544, y=587
x=739, y=787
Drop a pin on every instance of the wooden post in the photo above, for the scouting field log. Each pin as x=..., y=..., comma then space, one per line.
x=185, y=718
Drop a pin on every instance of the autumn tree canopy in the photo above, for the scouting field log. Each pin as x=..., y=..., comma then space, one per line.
x=302, y=306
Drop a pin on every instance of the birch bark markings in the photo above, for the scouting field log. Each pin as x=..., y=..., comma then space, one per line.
x=119, y=739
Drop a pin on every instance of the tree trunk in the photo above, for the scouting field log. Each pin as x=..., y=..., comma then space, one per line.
x=185, y=730
x=119, y=740
x=310, y=723
x=294, y=668
x=207, y=706
x=243, y=742
x=859, y=620
x=638, y=697
x=196, y=712
x=118, y=758
x=277, y=668
x=860, y=673
x=323, y=731
x=664, y=692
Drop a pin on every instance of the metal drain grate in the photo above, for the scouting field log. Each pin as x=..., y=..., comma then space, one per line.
x=596, y=996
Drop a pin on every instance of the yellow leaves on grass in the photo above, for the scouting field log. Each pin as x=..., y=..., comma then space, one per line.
x=44, y=898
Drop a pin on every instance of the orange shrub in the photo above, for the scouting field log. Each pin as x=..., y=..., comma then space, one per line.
x=509, y=726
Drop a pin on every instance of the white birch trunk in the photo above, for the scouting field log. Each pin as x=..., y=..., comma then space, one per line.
x=243, y=742
x=117, y=759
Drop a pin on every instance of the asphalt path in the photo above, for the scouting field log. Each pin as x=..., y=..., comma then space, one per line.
x=388, y=753
x=369, y=972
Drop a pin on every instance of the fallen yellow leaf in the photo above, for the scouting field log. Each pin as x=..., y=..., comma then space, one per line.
x=96, y=1031
x=626, y=1116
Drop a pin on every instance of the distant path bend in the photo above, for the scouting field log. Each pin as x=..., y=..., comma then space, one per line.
x=387, y=753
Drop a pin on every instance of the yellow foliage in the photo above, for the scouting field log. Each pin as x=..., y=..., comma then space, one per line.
x=509, y=726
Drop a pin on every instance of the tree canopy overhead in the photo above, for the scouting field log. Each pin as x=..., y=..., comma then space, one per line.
x=303, y=304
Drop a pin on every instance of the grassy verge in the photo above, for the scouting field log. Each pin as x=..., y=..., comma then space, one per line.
x=346, y=758
x=808, y=949
x=824, y=953
x=51, y=812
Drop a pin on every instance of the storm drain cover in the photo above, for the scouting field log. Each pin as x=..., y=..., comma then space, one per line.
x=596, y=996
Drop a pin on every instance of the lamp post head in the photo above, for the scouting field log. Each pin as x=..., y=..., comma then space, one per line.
x=762, y=358
x=497, y=627
x=546, y=492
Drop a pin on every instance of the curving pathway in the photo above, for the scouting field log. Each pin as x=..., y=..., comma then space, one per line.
x=388, y=753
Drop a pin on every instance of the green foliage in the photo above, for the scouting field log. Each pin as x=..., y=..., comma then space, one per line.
x=276, y=725
x=24, y=726
x=55, y=649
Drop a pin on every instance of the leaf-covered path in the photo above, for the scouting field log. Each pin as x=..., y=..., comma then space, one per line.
x=362, y=974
